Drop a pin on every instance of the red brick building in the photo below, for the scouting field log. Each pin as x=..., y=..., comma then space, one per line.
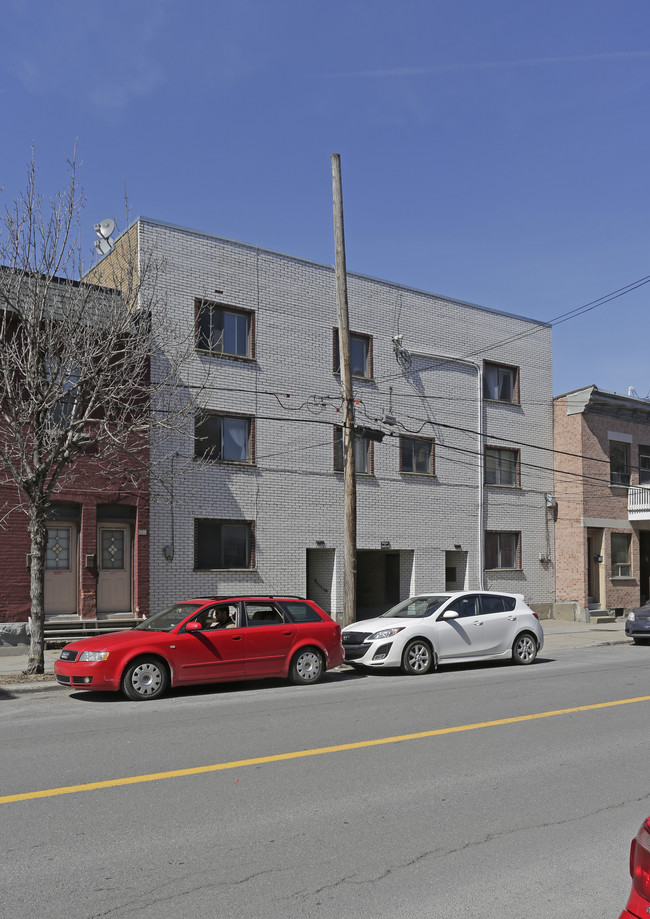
x=97, y=562
x=602, y=487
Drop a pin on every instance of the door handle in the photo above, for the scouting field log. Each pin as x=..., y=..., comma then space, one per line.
x=236, y=637
x=512, y=618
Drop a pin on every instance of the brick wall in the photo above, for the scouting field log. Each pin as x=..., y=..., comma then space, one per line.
x=589, y=505
x=291, y=493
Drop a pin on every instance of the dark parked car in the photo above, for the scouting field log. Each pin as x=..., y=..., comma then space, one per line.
x=210, y=640
x=637, y=624
x=638, y=904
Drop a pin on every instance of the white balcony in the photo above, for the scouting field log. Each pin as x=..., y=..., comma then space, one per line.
x=638, y=502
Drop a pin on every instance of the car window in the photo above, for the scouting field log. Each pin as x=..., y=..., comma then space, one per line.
x=492, y=603
x=509, y=603
x=263, y=614
x=302, y=612
x=219, y=616
x=415, y=607
x=465, y=606
x=168, y=618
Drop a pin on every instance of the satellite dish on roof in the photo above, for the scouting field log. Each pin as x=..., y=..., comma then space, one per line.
x=104, y=242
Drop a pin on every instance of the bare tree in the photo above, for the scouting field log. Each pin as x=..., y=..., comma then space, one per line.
x=76, y=398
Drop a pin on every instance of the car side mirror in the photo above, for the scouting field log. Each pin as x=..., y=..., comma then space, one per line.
x=450, y=614
x=193, y=626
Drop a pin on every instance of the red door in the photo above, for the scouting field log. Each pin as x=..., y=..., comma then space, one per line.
x=269, y=639
x=210, y=654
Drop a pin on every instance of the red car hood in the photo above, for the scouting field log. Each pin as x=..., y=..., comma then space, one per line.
x=114, y=640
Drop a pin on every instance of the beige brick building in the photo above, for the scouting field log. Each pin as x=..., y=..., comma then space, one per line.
x=602, y=488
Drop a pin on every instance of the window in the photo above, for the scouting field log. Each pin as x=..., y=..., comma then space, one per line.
x=501, y=467
x=644, y=465
x=502, y=550
x=223, y=544
x=621, y=567
x=57, y=555
x=226, y=438
x=619, y=463
x=501, y=383
x=360, y=355
x=465, y=606
x=302, y=612
x=416, y=455
x=263, y=614
x=112, y=550
x=64, y=382
x=362, y=453
x=495, y=603
x=223, y=329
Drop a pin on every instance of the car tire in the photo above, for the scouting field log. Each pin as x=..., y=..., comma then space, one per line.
x=524, y=650
x=418, y=657
x=639, y=641
x=144, y=679
x=307, y=667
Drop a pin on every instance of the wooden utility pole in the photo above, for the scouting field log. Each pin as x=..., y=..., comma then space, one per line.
x=349, y=471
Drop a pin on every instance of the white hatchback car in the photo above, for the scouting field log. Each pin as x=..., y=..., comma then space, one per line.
x=446, y=628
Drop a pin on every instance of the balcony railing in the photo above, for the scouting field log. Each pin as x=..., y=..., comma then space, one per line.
x=638, y=502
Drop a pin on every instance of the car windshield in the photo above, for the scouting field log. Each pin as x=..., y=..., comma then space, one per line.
x=415, y=607
x=168, y=618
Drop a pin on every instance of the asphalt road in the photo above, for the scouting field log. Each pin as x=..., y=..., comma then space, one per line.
x=270, y=800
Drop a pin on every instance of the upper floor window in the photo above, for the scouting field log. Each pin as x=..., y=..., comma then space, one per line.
x=227, y=438
x=501, y=466
x=644, y=465
x=362, y=453
x=223, y=329
x=416, y=455
x=223, y=544
x=502, y=550
x=619, y=463
x=501, y=383
x=621, y=565
x=360, y=355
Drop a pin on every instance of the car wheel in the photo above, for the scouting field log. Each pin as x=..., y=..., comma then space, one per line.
x=145, y=678
x=307, y=666
x=639, y=641
x=524, y=650
x=418, y=657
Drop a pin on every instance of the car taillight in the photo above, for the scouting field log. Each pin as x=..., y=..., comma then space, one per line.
x=640, y=861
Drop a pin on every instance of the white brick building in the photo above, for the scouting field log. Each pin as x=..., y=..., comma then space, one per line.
x=458, y=492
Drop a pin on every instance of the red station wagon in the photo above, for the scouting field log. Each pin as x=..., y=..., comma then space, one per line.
x=207, y=641
x=638, y=904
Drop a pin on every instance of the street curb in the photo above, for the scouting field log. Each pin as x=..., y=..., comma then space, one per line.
x=14, y=689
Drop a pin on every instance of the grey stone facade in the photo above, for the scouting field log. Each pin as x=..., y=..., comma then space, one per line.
x=415, y=531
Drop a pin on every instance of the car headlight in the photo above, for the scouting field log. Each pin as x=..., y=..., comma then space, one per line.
x=631, y=617
x=385, y=633
x=93, y=655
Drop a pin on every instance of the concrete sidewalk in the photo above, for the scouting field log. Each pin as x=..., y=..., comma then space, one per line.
x=558, y=635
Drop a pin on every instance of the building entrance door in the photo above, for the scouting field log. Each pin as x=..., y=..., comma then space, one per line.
x=595, y=568
x=114, y=568
x=644, y=568
x=61, y=569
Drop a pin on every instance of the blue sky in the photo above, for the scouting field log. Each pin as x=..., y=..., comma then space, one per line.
x=496, y=152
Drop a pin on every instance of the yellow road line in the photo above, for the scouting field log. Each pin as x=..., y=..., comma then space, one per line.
x=299, y=754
